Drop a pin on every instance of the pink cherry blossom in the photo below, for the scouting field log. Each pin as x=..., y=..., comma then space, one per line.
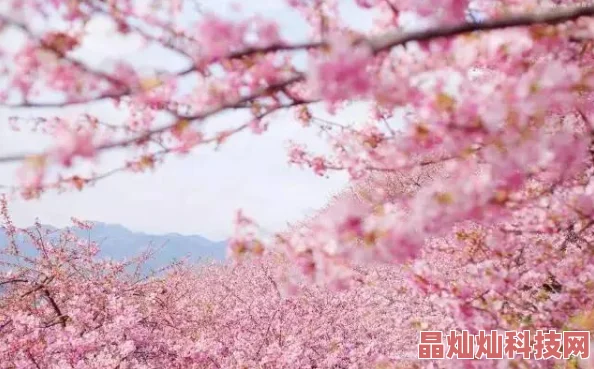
x=343, y=73
x=471, y=168
x=71, y=144
x=217, y=35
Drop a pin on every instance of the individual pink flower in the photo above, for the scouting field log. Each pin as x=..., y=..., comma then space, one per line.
x=401, y=245
x=217, y=36
x=442, y=10
x=188, y=139
x=584, y=204
x=351, y=227
x=319, y=165
x=343, y=73
x=71, y=144
x=297, y=154
x=306, y=264
x=268, y=33
x=257, y=126
x=366, y=4
x=31, y=175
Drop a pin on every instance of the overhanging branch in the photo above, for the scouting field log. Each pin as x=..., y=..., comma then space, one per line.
x=380, y=44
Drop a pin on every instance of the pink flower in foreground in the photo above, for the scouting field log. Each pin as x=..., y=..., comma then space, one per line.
x=71, y=144
x=443, y=11
x=402, y=245
x=217, y=36
x=297, y=154
x=351, y=227
x=318, y=165
x=268, y=33
x=189, y=139
x=257, y=126
x=584, y=204
x=343, y=73
x=366, y=4
x=306, y=264
x=31, y=175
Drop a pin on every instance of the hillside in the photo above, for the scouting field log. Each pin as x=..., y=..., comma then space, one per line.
x=119, y=243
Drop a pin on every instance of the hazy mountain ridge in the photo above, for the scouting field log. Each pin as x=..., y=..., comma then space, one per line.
x=117, y=242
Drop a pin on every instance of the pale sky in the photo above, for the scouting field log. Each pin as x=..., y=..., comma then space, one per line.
x=199, y=193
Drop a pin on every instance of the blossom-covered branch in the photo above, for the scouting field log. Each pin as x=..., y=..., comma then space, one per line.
x=378, y=44
x=471, y=166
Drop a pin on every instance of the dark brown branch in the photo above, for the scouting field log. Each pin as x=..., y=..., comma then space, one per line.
x=33, y=360
x=5, y=324
x=16, y=280
x=56, y=308
x=392, y=7
x=38, y=287
x=398, y=38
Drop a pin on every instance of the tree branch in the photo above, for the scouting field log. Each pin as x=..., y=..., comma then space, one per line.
x=60, y=54
x=16, y=280
x=379, y=44
x=56, y=308
x=208, y=113
x=398, y=38
x=392, y=7
x=30, y=356
x=122, y=89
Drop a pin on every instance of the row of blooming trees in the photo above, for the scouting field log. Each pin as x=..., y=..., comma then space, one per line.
x=65, y=308
x=485, y=194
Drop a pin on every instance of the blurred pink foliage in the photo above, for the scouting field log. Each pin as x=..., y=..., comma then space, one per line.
x=483, y=199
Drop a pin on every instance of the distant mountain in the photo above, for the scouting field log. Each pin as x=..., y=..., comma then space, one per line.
x=118, y=243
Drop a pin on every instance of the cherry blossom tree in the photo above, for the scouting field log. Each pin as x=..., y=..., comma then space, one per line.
x=64, y=307
x=484, y=194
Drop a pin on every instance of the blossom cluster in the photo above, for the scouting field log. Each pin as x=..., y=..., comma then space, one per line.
x=472, y=172
x=546, y=345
